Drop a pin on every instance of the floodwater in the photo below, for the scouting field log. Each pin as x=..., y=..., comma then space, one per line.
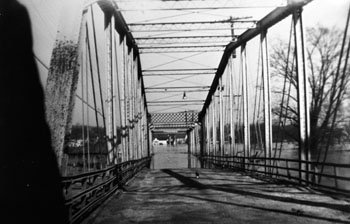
x=333, y=156
x=173, y=157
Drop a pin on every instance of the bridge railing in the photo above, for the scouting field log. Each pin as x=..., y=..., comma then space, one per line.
x=84, y=192
x=335, y=177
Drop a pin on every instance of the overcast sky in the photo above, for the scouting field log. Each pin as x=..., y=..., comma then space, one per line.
x=45, y=18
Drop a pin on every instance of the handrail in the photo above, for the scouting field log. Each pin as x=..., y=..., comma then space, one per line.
x=86, y=191
x=289, y=160
x=252, y=164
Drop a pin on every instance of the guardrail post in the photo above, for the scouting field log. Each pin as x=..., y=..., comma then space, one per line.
x=335, y=176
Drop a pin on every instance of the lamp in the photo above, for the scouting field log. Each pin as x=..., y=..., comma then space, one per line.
x=184, y=96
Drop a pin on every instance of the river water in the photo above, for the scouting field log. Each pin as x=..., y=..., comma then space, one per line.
x=172, y=157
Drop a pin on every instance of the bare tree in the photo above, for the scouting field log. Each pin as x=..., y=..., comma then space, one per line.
x=328, y=79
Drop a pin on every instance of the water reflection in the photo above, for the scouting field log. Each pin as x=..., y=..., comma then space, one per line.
x=172, y=157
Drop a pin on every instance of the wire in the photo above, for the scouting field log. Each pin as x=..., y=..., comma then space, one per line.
x=41, y=62
x=177, y=79
x=178, y=59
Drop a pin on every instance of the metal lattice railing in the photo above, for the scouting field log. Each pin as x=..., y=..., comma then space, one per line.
x=87, y=191
x=335, y=177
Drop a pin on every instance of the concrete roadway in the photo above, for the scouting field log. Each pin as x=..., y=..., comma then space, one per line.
x=217, y=196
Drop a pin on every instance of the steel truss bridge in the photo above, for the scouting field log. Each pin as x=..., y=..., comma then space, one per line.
x=114, y=80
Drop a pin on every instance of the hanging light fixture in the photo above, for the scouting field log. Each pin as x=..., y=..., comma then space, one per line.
x=184, y=96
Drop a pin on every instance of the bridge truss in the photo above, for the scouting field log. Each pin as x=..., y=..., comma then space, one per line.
x=122, y=69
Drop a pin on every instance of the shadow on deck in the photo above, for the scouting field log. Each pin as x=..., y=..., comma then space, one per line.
x=217, y=196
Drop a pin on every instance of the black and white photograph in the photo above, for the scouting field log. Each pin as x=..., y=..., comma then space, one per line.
x=174, y=111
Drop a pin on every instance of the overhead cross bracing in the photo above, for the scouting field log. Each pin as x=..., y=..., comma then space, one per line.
x=238, y=23
x=180, y=5
x=183, y=120
x=214, y=39
x=189, y=35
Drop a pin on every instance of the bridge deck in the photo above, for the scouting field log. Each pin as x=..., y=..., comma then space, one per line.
x=176, y=196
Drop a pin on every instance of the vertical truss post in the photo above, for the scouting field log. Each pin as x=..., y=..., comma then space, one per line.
x=140, y=117
x=207, y=126
x=144, y=129
x=221, y=116
x=82, y=81
x=303, y=96
x=115, y=89
x=64, y=74
x=193, y=148
x=139, y=112
x=109, y=72
x=232, y=126
x=133, y=108
x=202, y=146
x=188, y=142
x=214, y=126
x=193, y=142
x=129, y=103
x=119, y=91
x=126, y=100
x=196, y=140
x=142, y=133
x=267, y=99
x=150, y=145
x=86, y=73
x=121, y=83
x=245, y=102
x=135, y=111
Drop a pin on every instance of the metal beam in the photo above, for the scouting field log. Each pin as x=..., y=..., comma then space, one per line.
x=176, y=101
x=184, y=37
x=197, y=8
x=168, y=51
x=180, y=70
x=175, y=104
x=230, y=20
x=245, y=93
x=180, y=87
x=178, y=91
x=182, y=43
x=192, y=29
x=177, y=74
x=268, y=21
x=232, y=125
x=217, y=39
x=182, y=46
x=221, y=119
x=267, y=99
x=303, y=98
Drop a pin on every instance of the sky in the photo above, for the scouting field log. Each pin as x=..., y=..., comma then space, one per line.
x=46, y=14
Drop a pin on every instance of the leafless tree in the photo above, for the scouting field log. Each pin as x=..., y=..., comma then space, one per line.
x=326, y=54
